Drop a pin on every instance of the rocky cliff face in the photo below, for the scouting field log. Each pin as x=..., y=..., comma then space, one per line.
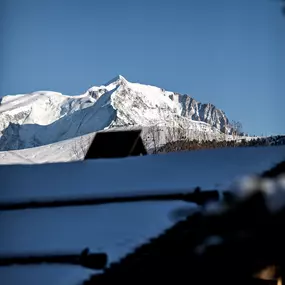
x=46, y=117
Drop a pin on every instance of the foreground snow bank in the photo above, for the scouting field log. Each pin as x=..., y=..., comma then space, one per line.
x=115, y=228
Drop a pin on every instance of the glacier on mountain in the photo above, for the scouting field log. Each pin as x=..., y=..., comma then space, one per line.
x=45, y=117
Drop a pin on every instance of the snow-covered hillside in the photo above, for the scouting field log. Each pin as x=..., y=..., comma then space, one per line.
x=45, y=117
x=75, y=148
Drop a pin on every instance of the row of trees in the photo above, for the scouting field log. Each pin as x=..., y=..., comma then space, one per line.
x=197, y=145
x=181, y=139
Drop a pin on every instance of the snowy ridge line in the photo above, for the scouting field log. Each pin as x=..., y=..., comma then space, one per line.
x=198, y=197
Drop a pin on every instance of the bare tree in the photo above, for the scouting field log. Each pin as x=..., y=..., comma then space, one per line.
x=154, y=133
x=173, y=133
x=177, y=135
x=236, y=128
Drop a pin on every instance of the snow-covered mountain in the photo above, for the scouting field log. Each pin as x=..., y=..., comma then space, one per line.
x=45, y=117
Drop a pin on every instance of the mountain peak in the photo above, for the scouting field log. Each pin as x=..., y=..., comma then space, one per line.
x=32, y=120
x=118, y=79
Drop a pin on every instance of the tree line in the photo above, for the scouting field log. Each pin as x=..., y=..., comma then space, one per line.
x=186, y=145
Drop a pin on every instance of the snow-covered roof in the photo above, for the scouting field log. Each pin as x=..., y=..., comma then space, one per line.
x=208, y=169
x=116, y=228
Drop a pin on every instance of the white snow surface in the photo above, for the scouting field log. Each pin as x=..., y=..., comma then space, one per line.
x=74, y=149
x=115, y=228
x=45, y=117
x=159, y=173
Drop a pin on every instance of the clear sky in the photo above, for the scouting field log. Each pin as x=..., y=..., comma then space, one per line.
x=227, y=52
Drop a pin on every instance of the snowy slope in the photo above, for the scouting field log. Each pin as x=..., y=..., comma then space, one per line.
x=116, y=229
x=152, y=172
x=63, y=151
x=75, y=148
x=45, y=117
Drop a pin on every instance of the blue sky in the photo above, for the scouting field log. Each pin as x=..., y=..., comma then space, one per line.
x=226, y=52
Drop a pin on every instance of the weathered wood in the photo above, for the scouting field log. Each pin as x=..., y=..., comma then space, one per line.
x=90, y=260
x=199, y=197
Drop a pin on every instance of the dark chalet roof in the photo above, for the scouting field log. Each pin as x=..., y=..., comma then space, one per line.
x=173, y=256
